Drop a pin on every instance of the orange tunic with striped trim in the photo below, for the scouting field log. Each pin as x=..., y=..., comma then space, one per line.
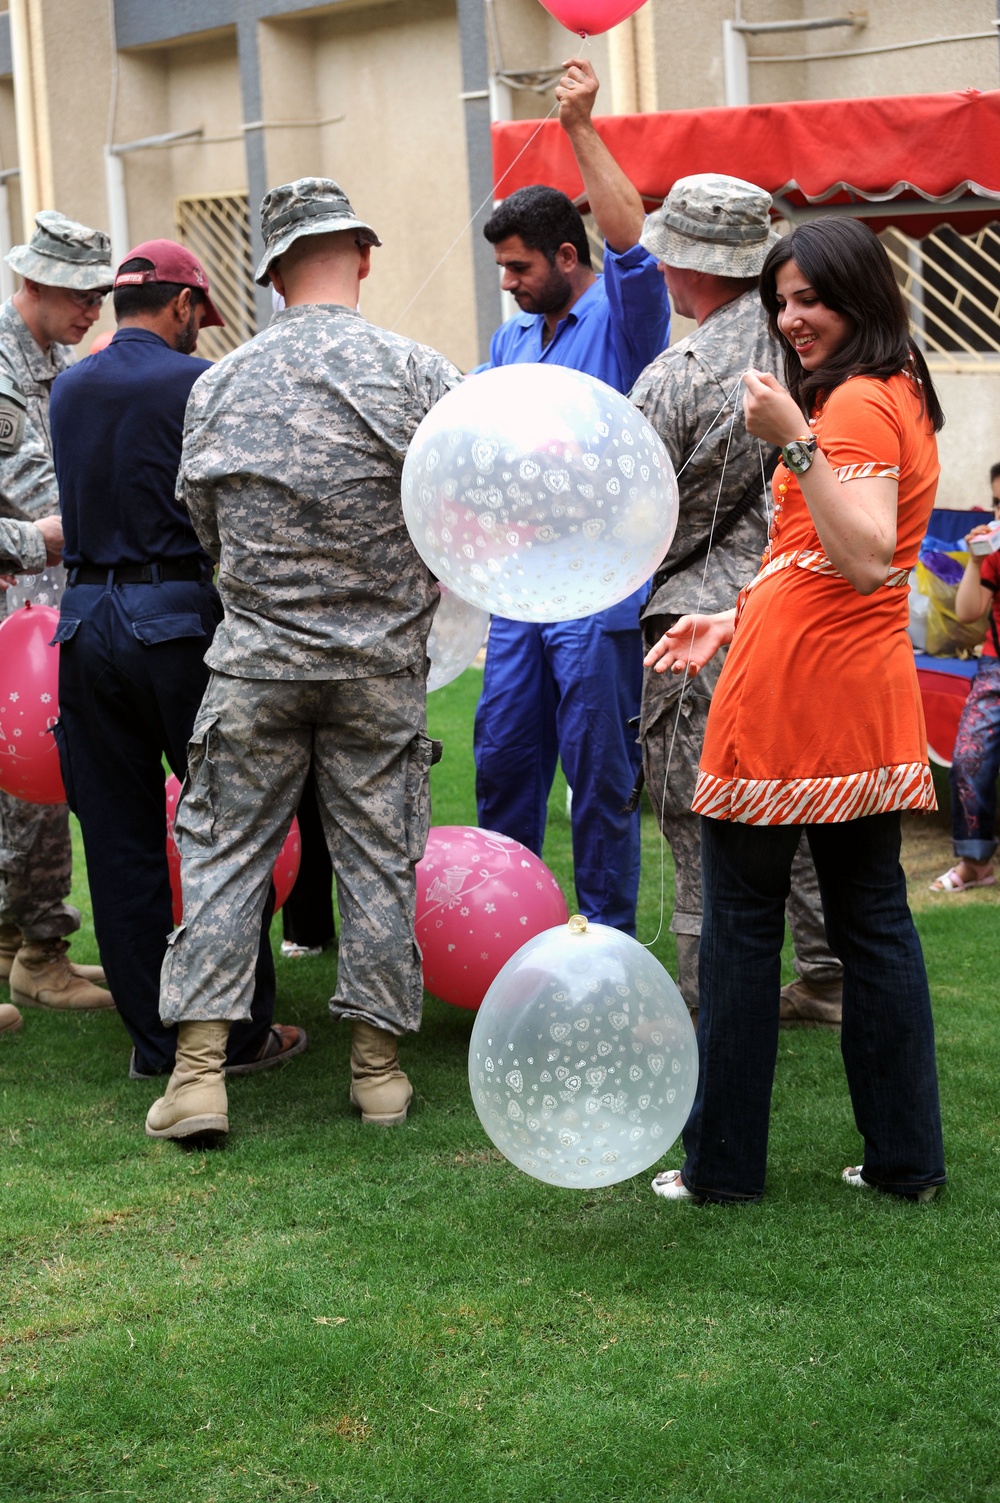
x=816, y=717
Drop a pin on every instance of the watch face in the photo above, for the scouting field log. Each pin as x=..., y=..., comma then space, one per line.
x=798, y=456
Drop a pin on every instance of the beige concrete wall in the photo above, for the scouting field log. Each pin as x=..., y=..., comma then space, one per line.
x=175, y=89
x=288, y=93
x=393, y=73
x=911, y=70
x=73, y=58
x=687, y=47
x=969, y=442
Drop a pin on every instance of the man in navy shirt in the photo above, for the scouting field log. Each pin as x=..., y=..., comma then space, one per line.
x=138, y=614
x=568, y=690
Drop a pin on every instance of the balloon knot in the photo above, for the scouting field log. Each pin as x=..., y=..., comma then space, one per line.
x=577, y=924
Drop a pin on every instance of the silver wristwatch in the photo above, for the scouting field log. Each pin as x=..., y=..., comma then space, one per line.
x=799, y=454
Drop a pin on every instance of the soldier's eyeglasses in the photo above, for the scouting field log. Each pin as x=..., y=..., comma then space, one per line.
x=89, y=299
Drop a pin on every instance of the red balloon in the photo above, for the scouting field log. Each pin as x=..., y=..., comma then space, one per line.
x=29, y=706
x=286, y=868
x=101, y=342
x=590, y=17
x=480, y=897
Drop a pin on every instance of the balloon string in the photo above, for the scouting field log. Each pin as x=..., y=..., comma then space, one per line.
x=490, y=198
x=701, y=594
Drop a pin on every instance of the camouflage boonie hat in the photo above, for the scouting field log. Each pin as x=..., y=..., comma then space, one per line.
x=62, y=253
x=711, y=223
x=309, y=206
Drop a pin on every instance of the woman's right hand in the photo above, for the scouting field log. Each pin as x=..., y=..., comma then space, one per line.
x=690, y=643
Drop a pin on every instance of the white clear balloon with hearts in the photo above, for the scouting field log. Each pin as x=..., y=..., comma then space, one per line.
x=539, y=493
x=45, y=588
x=457, y=633
x=583, y=1061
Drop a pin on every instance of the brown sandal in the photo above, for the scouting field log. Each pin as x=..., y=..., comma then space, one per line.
x=283, y=1042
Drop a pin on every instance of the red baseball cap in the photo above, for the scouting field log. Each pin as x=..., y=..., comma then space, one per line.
x=171, y=263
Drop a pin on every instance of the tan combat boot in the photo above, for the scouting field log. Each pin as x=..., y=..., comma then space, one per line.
x=811, y=1004
x=10, y=1018
x=194, y=1103
x=379, y=1089
x=11, y=941
x=42, y=976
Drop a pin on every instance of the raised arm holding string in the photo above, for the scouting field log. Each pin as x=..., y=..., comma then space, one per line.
x=614, y=202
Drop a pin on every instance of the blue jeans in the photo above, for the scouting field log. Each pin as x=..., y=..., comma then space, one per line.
x=567, y=691
x=976, y=765
x=887, y=1036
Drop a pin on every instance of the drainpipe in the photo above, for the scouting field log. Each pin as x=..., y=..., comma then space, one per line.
x=114, y=180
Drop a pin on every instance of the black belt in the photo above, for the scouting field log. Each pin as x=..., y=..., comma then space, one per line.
x=137, y=573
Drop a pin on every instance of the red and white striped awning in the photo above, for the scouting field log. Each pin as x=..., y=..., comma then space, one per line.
x=916, y=160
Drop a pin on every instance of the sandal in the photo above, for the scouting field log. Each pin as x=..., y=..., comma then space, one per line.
x=669, y=1186
x=951, y=881
x=283, y=1042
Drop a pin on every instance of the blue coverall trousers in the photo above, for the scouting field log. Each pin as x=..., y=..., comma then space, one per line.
x=566, y=691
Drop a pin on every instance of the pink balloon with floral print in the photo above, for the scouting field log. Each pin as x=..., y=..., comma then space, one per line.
x=480, y=897
x=29, y=706
x=286, y=868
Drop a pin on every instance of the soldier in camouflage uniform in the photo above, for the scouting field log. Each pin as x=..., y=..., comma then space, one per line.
x=66, y=272
x=710, y=238
x=26, y=547
x=293, y=452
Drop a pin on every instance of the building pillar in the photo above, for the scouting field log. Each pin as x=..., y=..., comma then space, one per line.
x=254, y=145
x=31, y=109
x=479, y=152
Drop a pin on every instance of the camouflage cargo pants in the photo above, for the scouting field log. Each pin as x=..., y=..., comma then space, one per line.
x=250, y=751
x=673, y=740
x=36, y=868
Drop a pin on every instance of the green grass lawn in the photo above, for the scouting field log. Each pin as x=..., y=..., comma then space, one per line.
x=323, y=1311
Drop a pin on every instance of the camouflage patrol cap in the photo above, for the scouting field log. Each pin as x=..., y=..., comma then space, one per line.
x=712, y=223
x=62, y=253
x=309, y=206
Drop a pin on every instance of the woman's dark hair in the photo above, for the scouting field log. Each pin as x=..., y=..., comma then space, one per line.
x=544, y=219
x=148, y=297
x=848, y=269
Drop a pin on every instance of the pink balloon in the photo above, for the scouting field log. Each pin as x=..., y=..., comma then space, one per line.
x=29, y=706
x=590, y=17
x=286, y=868
x=480, y=897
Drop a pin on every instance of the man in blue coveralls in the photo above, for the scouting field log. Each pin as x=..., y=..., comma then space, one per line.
x=138, y=614
x=568, y=690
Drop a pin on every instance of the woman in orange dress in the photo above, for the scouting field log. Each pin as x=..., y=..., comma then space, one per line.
x=816, y=724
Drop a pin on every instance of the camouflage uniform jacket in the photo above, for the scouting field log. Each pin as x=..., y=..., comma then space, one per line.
x=28, y=478
x=293, y=451
x=681, y=393
x=22, y=547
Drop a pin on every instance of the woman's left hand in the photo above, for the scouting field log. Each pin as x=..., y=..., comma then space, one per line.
x=769, y=411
